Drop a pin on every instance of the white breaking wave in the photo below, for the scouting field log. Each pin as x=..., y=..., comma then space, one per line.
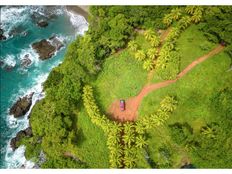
x=9, y=61
x=79, y=22
x=12, y=16
x=15, y=159
x=32, y=55
x=9, y=14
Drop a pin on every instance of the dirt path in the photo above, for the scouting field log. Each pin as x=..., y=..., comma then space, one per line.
x=133, y=103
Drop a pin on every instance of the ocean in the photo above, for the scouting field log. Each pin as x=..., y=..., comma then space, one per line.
x=17, y=81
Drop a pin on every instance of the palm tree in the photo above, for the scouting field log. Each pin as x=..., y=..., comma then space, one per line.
x=129, y=162
x=129, y=138
x=197, y=15
x=146, y=122
x=133, y=45
x=139, y=127
x=152, y=53
x=155, y=41
x=184, y=22
x=149, y=34
x=128, y=126
x=148, y=64
x=173, y=35
x=167, y=20
x=157, y=119
x=168, y=46
x=208, y=132
x=140, y=55
x=129, y=156
x=176, y=13
x=190, y=9
x=140, y=141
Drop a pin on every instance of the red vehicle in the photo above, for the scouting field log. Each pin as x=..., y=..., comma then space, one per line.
x=223, y=43
x=122, y=105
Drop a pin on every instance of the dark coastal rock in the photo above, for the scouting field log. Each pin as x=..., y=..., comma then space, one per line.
x=8, y=68
x=56, y=42
x=42, y=23
x=2, y=37
x=5, y=66
x=26, y=61
x=21, y=134
x=1, y=63
x=44, y=48
x=47, y=48
x=22, y=106
x=1, y=31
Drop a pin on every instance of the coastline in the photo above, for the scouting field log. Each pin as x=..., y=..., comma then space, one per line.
x=19, y=152
x=82, y=10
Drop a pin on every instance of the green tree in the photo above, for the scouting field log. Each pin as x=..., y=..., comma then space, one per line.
x=149, y=34
x=152, y=53
x=167, y=20
x=140, y=141
x=133, y=46
x=176, y=13
x=148, y=64
x=140, y=55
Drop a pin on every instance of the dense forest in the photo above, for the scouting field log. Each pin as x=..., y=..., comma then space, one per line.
x=111, y=29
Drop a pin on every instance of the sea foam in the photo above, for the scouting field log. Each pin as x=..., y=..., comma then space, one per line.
x=79, y=22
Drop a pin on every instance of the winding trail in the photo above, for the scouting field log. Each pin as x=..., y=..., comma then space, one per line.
x=133, y=103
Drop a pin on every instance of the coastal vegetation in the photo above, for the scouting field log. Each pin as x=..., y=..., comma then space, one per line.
x=187, y=122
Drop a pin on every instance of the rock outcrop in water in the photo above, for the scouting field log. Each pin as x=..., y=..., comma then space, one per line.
x=47, y=48
x=22, y=106
x=42, y=23
x=26, y=61
x=21, y=134
x=2, y=37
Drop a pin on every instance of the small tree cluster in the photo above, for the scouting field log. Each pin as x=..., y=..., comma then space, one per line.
x=167, y=106
x=196, y=13
x=115, y=146
x=93, y=111
x=149, y=57
x=111, y=128
x=168, y=62
x=173, y=16
x=129, y=145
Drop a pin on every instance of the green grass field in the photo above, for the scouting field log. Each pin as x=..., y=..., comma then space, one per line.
x=191, y=45
x=121, y=77
x=93, y=151
x=193, y=92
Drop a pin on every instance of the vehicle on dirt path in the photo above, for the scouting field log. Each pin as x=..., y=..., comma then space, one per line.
x=122, y=105
x=223, y=43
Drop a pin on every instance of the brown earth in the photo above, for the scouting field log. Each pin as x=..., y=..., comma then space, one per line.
x=133, y=103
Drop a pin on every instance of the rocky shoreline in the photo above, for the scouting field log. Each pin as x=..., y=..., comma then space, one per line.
x=21, y=106
x=46, y=48
x=21, y=134
x=2, y=36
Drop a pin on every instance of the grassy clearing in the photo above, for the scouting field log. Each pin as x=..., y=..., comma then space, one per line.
x=193, y=92
x=191, y=44
x=92, y=148
x=121, y=77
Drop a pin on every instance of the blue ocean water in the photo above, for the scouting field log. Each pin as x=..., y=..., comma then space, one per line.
x=20, y=81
